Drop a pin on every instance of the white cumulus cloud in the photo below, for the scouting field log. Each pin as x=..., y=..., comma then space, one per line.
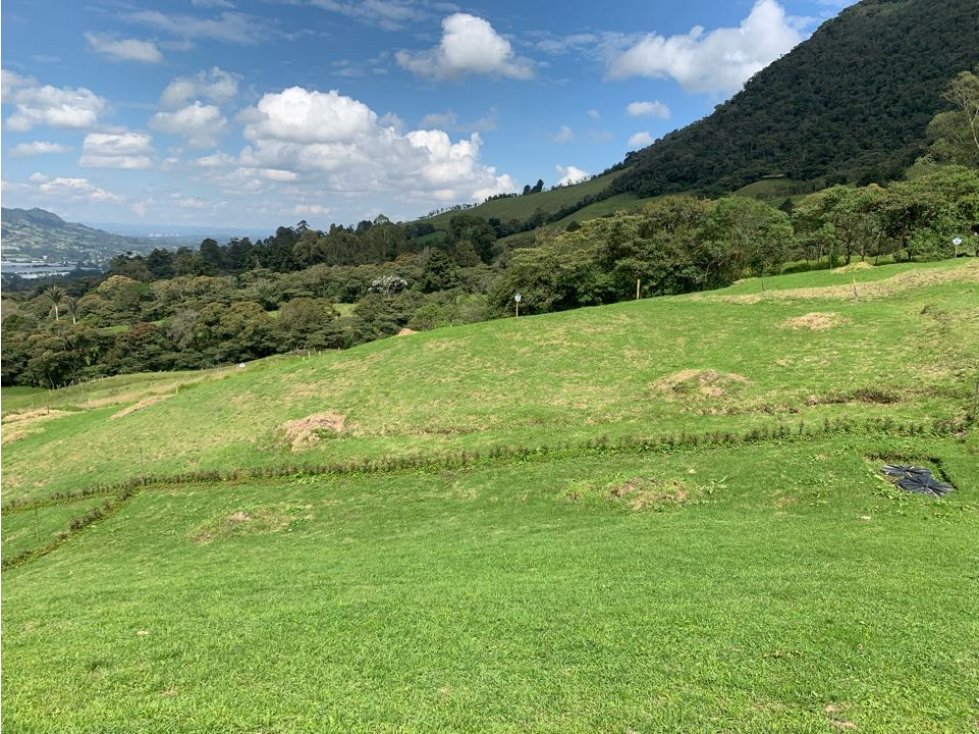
x=469, y=45
x=66, y=189
x=127, y=49
x=297, y=115
x=214, y=85
x=648, y=109
x=34, y=104
x=340, y=144
x=640, y=140
x=125, y=150
x=570, y=175
x=200, y=125
x=37, y=147
x=719, y=61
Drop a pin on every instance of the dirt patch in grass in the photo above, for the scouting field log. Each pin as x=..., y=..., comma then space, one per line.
x=815, y=321
x=144, y=403
x=406, y=332
x=307, y=432
x=707, y=383
x=834, y=713
x=19, y=425
x=644, y=493
x=255, y=520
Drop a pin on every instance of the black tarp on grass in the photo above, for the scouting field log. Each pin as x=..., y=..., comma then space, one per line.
x=916, y=479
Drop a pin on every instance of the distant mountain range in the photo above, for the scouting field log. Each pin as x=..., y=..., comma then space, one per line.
x=851, y=104
x=36, y=234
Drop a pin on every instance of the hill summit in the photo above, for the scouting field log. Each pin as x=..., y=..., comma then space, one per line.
x=851, y=104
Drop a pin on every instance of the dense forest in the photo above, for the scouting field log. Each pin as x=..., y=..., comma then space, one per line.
x=851, y=104
x=303, y=289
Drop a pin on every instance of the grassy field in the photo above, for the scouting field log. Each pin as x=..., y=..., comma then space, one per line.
x=524, y=207
x=658, y=516
x=722, y=361
x=618, y=203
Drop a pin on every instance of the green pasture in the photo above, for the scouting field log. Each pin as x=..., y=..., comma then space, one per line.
x=752, y=589
x=542, y=568
x=729, y=360
x=524, y=207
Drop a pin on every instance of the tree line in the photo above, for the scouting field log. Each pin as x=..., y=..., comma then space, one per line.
x=303, y=289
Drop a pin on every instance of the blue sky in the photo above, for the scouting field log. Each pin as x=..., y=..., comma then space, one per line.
x=258, y=113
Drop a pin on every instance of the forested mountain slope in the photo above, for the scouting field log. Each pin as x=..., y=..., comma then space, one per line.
x=850, y=104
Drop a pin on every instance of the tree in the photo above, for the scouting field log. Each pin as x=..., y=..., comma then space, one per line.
x=856, y=216
x=754, y=235
x=306, y=250
x=307, y=323
x=211, y=253
x=439, y=272
x=72, y=309
x=475, y=230
x=160, y=264
x=123, y=296
x=56, y=296
x=955, y=134
x=383, y=240
x=132, y=266
x=388, y=285
x=61, y=354
x=234, y=333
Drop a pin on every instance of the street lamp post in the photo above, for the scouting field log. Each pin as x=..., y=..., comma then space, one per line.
x=956, y=241
x=516, y=301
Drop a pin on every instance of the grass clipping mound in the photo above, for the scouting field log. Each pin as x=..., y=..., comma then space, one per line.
x=135, y=407
x=643, y=493
x=19, y=425
x=255, y=520
x=305, y=433
x=853, y=267
x=815, y=321
x=707, y=383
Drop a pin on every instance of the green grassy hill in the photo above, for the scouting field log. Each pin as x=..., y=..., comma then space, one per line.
x=656, y=516
x=524, y=207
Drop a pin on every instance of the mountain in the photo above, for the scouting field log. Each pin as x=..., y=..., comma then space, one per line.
x=32, y=234
x=850, y=104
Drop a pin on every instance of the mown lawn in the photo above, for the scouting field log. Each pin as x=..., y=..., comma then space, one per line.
x=751, y=589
